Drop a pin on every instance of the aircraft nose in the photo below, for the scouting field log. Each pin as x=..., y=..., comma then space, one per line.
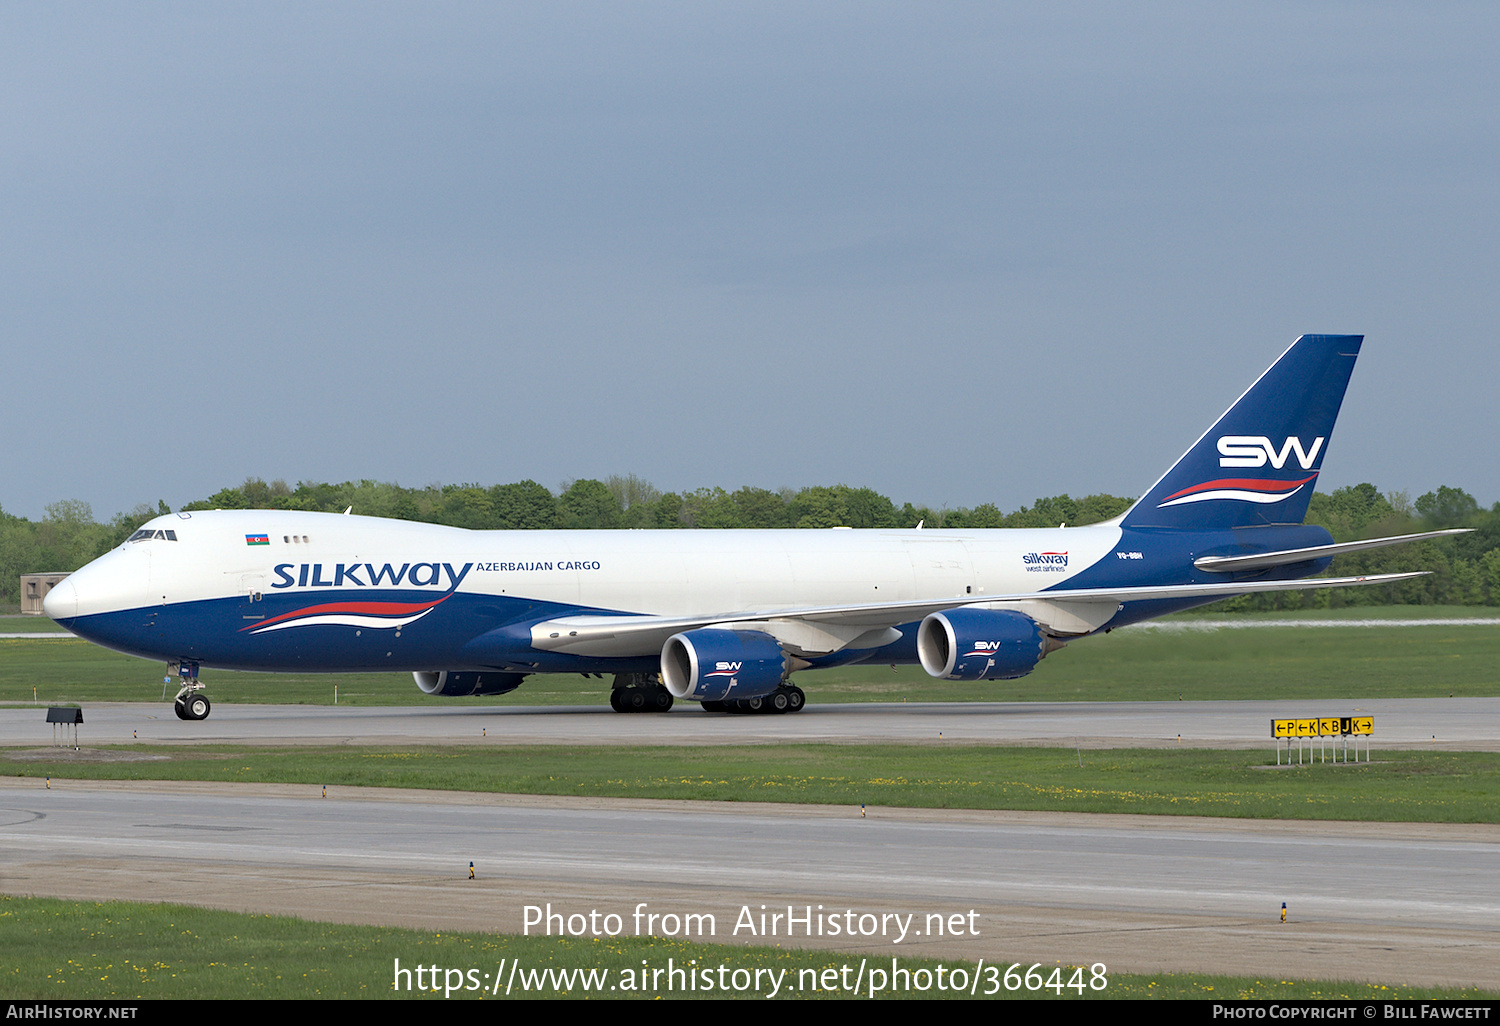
x=61, y=603
x=116, y=581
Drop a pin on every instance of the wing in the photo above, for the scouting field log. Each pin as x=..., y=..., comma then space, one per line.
x=818, y=631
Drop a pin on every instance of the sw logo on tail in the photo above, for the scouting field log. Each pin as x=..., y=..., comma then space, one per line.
x=1245, y=451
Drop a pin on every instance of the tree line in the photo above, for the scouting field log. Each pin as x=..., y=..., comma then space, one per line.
x=1464, y=570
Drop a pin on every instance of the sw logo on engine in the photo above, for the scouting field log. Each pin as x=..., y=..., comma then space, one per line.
x=1257, y=451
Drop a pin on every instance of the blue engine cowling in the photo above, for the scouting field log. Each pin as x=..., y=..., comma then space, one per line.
x=980, y=644
x=710, y=665
x=460, y=684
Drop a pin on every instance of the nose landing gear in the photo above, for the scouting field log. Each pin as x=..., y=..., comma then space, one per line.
x=191, y=702
x=192, y=707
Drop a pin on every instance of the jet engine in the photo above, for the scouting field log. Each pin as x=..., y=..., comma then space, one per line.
x=710, y=665
x=455, y=684
x=981, y=644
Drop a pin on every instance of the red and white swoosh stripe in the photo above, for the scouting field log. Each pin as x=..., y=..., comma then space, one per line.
x=377, y=615
x=1240, y=489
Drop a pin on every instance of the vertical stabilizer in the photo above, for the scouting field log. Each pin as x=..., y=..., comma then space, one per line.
x=1259, y=463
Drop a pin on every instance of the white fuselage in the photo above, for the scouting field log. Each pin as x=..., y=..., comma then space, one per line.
x=669, y=573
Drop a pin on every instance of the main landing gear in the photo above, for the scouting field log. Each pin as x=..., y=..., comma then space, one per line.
x=191, y=703
x=786, y=699
x=639, y=692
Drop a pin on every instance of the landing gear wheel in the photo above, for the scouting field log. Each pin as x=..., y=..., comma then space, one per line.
x=715, y=707
x=795, y=699
x=191, y=703
x=778, y=701
x=754, y=705
x=639, y=692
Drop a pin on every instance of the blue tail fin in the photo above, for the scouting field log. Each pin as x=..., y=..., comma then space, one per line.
x=1259, y=463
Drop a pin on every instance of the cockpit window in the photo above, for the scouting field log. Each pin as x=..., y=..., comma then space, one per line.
x=144, y=533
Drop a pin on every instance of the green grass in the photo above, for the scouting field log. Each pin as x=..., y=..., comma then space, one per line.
x=28, y=625
x=67, y=950
x=1217, y=612
x=1127, y=665
x=1440, y=787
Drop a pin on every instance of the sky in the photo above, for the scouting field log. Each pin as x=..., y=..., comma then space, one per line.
x=958, y=253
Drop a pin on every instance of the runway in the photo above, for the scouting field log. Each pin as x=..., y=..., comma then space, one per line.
x=1395, y=903
x=1471, y=724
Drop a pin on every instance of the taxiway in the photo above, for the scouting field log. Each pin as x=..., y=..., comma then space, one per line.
x=1471, y=724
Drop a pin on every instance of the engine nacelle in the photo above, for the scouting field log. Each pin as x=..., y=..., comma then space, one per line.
x=460, y=684
x=710, y=665
x=981, y=644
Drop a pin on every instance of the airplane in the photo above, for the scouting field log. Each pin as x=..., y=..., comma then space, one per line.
x=724, y=617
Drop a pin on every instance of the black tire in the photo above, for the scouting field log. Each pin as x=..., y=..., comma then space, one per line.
x=663, y=700
x=713, y=707
x=795, y=699
x=635, y=700
x=180, y=709
x=614, y=700
x=754, y=705
x=197, y=707
x=778, y=702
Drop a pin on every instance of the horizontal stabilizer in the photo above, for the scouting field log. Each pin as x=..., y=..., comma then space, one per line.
x=1266, y=560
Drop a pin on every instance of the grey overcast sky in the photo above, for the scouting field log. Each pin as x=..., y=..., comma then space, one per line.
x=958, y=253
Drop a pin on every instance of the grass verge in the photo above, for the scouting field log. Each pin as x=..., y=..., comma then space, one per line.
x=1436, y=787
x=69, y=950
